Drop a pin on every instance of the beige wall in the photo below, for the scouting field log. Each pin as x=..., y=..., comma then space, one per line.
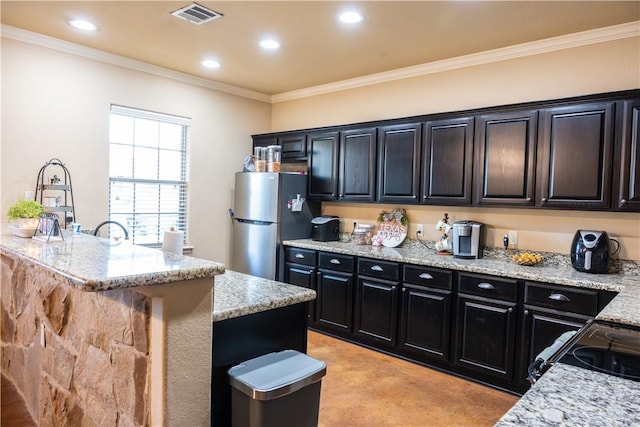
x=596, y=68
x=57, y=105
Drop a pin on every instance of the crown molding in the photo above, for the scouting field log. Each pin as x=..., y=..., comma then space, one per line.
x=615, y=32
x=99, y=55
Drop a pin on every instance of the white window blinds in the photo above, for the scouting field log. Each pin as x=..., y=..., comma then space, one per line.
x=148, y=179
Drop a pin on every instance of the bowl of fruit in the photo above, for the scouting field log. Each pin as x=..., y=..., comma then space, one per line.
x=527, y=258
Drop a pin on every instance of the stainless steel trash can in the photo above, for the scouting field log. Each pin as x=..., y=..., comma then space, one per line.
x=278, y=389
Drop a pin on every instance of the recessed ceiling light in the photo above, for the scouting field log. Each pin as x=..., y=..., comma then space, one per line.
x=210, y=63
x=350, y=17
x=83, y=25
x=269, y=44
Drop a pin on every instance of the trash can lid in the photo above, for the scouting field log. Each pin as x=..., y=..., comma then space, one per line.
x=276, y=374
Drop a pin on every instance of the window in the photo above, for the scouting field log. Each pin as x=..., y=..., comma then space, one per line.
x=147, y=173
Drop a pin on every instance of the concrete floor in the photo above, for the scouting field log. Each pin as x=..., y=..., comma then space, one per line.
x=370, y=389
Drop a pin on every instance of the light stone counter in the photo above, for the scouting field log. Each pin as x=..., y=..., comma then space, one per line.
x=237, y=294
x=556, y=269
x=98, y=332
x=92, y=263
x=569, y=396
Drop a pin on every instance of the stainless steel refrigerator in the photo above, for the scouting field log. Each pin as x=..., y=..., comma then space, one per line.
x=264, y=214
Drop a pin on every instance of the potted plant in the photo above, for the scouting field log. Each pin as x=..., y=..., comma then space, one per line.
x=24, y=215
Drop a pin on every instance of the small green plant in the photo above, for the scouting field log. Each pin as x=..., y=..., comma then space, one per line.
x=25, y=209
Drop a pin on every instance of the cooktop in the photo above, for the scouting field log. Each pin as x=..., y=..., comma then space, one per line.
x=606, y=347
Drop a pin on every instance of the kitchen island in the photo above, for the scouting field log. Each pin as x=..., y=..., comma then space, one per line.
x=564, y=395
x=252, y=317
x=102, y=332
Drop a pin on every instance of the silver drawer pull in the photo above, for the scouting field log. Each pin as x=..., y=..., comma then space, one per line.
x=376, y=268
x=559, y=297
x=425, y=276
x=487, y=286
x=299, y=256
x=334, y=261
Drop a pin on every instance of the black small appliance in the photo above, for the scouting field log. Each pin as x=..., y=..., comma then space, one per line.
x=325, y=228
x=590, y=251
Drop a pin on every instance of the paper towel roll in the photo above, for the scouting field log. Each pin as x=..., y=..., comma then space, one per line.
x=172, y=241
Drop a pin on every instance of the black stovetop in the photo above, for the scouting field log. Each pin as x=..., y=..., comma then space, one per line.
x=606, y=347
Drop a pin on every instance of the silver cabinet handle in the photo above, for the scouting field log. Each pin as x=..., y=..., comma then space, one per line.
x=299, y=256
x=486, y=286
x=334, y=261
x=510, y=310
x=376, y=268
x=425, y=276
x=559, y=297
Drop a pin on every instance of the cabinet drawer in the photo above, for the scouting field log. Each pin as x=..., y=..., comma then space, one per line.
x=301, y=256
x=336, y=262
x=379, y=269
x=565, y=298
x=488, y=286
x=427, y=276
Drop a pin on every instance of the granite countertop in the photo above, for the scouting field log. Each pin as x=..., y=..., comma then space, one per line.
x=238, y=294
x=92, y=263
x=569, y=396
x=556, y=269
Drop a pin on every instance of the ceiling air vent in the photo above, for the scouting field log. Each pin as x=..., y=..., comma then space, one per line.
x=196, y=14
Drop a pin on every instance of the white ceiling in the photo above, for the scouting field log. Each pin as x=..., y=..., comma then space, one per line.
x=316, y=48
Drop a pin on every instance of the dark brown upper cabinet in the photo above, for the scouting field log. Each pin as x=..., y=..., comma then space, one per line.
x=399, y=163
x=293, y=146
x=357, y=165
x=628, y=178
x=505, y=151
x=322, y=165
x=447, y=161
x=575, y=149
x=264, y=140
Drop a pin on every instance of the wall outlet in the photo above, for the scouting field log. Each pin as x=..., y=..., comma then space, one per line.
x=420, y=229
x=513, y=238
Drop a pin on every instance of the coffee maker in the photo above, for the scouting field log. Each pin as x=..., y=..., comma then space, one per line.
x=468, y=239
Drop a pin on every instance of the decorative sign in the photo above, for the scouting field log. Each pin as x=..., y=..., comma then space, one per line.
x=392, y=227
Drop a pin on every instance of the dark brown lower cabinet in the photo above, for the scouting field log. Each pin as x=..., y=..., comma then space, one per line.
x=425, y=314
x=376, y=308
x=376, y=311
x=486, y=326
x=335, y=301
x=424, y=323
x=304, y=276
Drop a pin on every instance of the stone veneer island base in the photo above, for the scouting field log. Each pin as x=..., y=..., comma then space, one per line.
x=96, y=334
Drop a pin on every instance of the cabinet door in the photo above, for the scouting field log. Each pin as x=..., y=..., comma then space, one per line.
x=486, y=334
x=447, y=159
x=505, y=150
x=376, y=311
x=399, y=149
x=293, y=146
x=358, y=165
x=575, y=156
x=541, y=329
x=628, y=194
x=305, y=277
x=335, y=301
x=264, y=140
x=425, y=319
x=323, y=166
